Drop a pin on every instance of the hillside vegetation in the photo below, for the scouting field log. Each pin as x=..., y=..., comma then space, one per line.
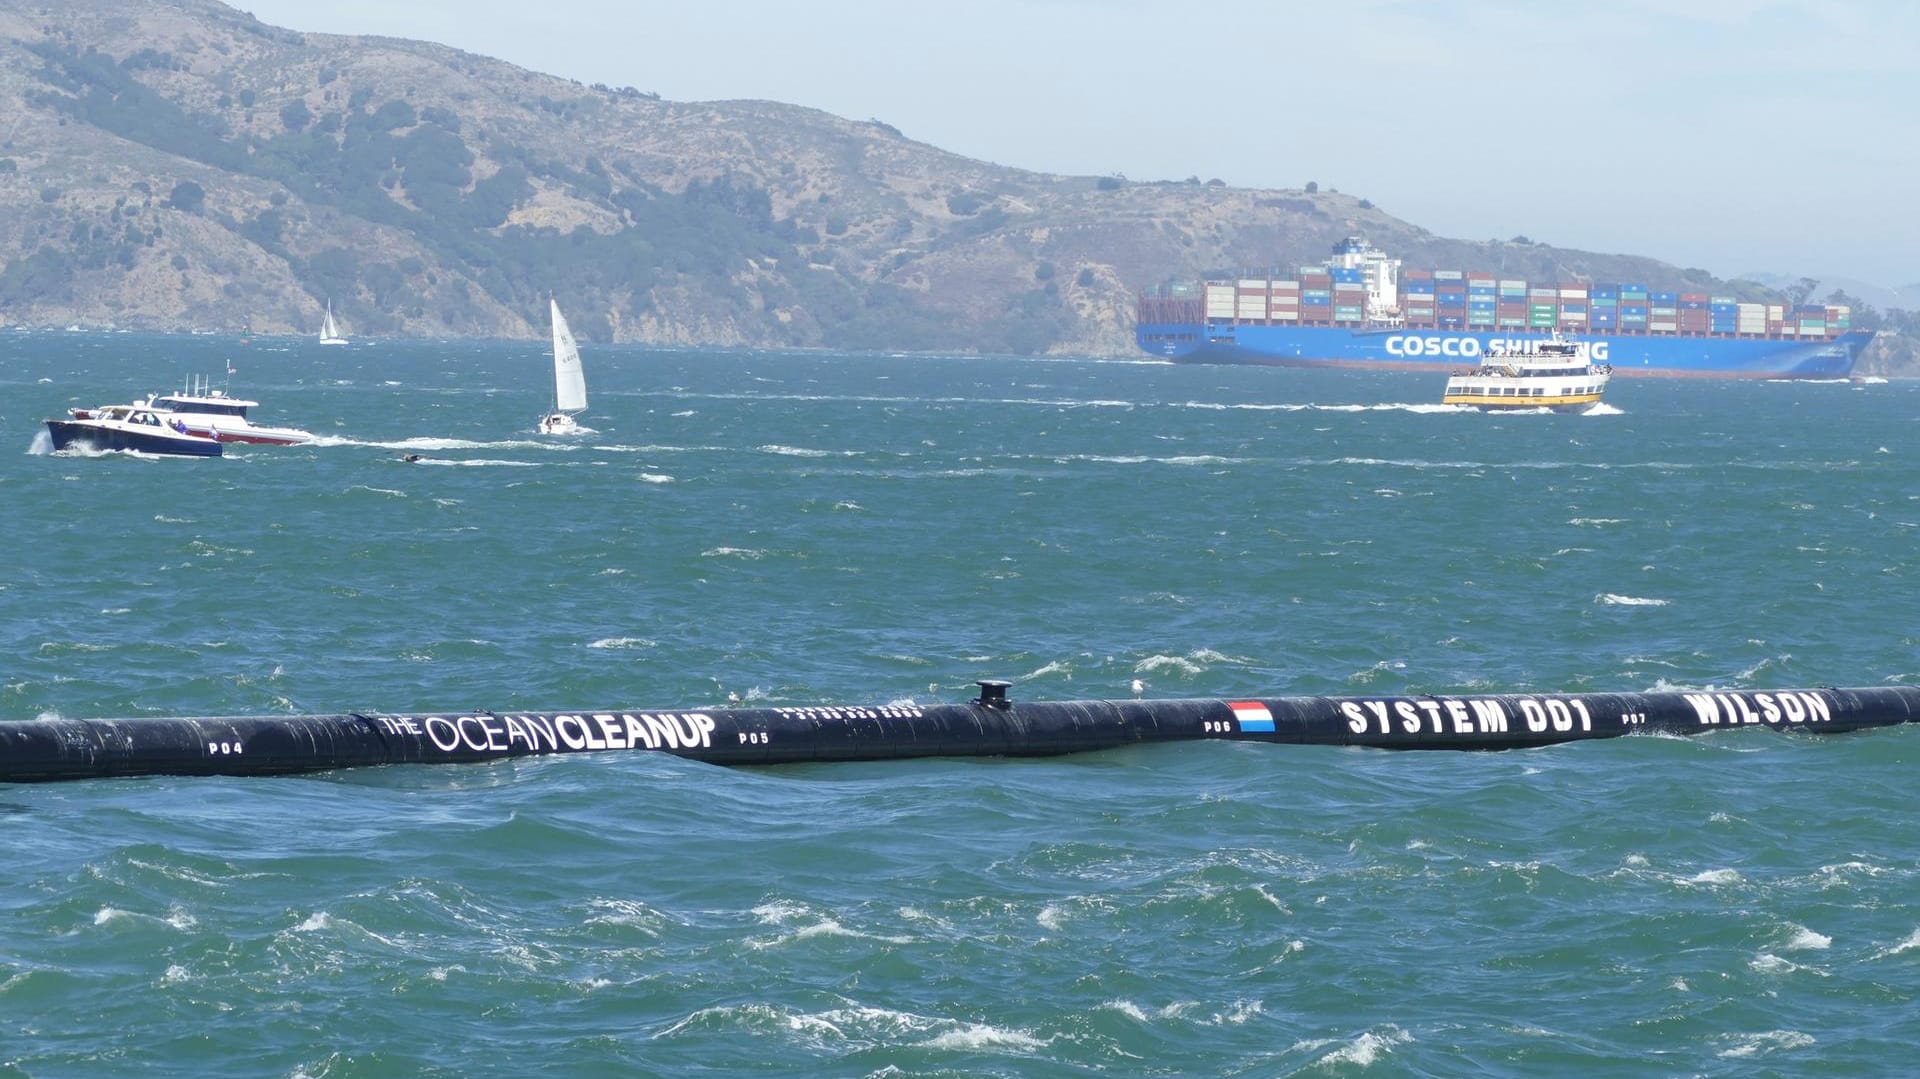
x=176, y=164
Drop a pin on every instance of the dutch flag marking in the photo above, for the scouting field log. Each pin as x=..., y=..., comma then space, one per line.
x=1252, y=715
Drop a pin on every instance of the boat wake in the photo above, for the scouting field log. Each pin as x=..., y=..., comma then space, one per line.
x=425, y=443
x=41, y=445
x=131, y=455
x=1407, y=406
x=1601, y=408
x=470, y=462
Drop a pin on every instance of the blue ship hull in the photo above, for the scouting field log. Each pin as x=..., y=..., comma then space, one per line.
x=1429, y=349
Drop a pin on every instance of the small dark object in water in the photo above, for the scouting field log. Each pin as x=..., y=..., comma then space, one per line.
x=415, y=457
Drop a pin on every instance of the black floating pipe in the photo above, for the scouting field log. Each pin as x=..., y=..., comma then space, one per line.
x=992, y=725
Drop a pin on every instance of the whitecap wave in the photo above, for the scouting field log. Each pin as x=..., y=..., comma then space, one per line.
x=624, y=642
x=978, y=1037
x=1714, y=877
x=1157, y=664
x=1805, y=939
x=1911, y=943
x=1615, y=599
x=1769, y=1041
x=1363, y=1051
x=1242, y=1010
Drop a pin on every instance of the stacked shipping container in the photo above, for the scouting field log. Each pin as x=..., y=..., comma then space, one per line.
x=1476, y=301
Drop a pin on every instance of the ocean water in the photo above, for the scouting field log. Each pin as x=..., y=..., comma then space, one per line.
x=794, y=529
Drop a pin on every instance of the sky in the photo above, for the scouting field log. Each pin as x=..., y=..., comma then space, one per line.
x=1736, y=136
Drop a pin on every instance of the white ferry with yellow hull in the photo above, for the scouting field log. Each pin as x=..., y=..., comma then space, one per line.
x=1554, y=374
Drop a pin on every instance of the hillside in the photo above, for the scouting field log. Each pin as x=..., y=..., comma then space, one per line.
x=176, y=164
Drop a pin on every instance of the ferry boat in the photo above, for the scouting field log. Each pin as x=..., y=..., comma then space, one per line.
x=133, y=428
x=1553, y=374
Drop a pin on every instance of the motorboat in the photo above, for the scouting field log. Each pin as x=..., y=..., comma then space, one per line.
x=210, y=413
x=130, y=428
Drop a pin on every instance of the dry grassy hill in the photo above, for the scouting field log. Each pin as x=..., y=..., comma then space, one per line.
x=173, y=164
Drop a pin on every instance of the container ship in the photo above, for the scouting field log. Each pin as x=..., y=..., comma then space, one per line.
x=1360, y=310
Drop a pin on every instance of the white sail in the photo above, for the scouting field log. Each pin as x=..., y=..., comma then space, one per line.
x=569, y=380
x=329, y=330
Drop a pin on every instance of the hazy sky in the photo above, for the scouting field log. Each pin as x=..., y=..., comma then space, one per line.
x=1732, y=135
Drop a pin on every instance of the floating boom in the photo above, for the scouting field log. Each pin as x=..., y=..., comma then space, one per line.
x=992, y=725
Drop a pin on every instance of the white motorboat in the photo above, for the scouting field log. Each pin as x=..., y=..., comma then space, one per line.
x=210, y=413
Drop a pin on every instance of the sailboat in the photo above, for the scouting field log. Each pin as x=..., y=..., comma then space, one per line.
x=329, y=330
x=569, y=380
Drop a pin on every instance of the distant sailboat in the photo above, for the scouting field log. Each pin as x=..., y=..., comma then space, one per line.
x=330, y=330
x=569, y=379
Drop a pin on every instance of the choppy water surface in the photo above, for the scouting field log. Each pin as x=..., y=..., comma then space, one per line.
x=806, y=529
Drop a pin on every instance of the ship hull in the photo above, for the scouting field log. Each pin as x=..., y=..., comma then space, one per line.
x=1656, y=355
